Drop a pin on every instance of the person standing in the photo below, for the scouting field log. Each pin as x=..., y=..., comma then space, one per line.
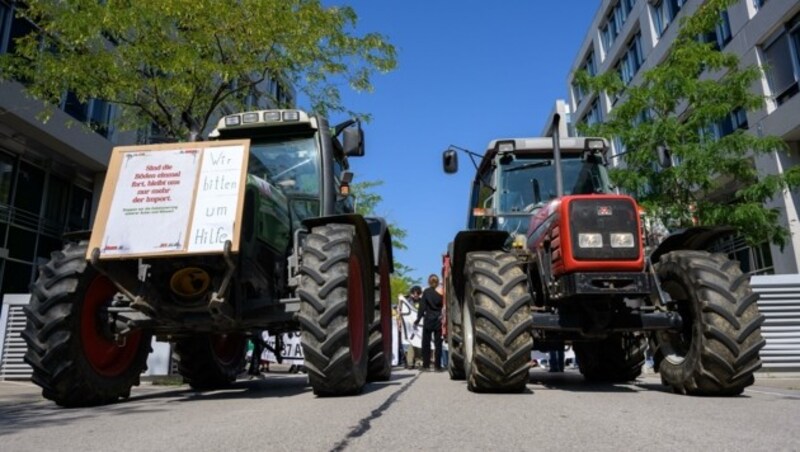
x=430, y=310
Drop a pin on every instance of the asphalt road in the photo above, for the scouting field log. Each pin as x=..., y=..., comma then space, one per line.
x=411, y=412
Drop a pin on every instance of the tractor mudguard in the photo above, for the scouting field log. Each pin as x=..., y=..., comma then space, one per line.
x=380, y=233
x=696, y=238
x=363, y=231
x=467, y=242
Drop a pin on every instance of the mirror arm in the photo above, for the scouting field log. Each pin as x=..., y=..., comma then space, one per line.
x=339, y=128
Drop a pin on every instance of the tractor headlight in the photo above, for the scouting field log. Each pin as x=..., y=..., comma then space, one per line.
x=234, y=120
x=249, y=118
x=621, y=240
x=590, y=240
x=272, y=116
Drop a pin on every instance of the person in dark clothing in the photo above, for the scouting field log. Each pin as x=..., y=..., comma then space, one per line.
x=430, y=309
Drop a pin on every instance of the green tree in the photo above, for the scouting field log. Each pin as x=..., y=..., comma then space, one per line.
x=367, y=201
x=174, y=63
x=714, y=181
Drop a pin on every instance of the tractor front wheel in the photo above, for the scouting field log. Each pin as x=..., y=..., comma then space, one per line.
x=336, y=290
x=74, y=358
x=716, y=351
x=496, y=323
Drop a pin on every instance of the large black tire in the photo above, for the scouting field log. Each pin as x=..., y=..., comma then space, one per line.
x=209, y=361
x=616, y=359
x=74, y=362
x=497, y=322
x=336, y=290
x=455, y=335
x=380, y=332
x=716, y=352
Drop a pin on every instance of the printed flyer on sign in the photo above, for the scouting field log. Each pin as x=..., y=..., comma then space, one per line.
x=152, y=202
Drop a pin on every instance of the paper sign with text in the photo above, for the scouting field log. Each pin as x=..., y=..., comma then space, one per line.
x=171, y=199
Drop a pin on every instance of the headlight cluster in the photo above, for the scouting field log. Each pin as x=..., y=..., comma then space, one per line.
x=616, y=240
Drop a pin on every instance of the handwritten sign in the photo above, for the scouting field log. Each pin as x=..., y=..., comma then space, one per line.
x=171, y=199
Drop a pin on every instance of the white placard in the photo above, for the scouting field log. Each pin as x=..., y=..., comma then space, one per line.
x=152, y=202
x=217, y=198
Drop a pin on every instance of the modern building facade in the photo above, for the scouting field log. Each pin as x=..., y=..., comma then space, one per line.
x=631, y=36
x=51, y=173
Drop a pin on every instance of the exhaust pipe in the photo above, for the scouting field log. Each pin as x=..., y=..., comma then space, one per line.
x=557, y=155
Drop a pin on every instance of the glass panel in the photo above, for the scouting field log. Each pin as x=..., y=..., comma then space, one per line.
x=55, y=209
x=75, y=108
x=79, y=209
x=101, y=117
x=5, y=12
x=290, y=164
x=6, y=177
x=17, y=277
x=47, y=245
x=19, y=28
x=28, y=195
x=780, y=70
x=21, y=243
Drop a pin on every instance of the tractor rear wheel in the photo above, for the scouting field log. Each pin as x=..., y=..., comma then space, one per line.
x=336, y=290
x=455, y=336
x=380, y=335
x=716, y=351
x=496, y=322
x=211, y=361
x=616, y=359
x=74, y=358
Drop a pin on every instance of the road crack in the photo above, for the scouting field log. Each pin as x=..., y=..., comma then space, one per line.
x=366, y=423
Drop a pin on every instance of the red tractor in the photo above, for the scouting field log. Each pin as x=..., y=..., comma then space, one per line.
x=553, y=257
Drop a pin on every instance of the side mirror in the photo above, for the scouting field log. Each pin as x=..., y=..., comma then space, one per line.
x=353, y=141
x=664, y=156
x=450, y=161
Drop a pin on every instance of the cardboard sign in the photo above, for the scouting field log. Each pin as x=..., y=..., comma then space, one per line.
x=169, y=199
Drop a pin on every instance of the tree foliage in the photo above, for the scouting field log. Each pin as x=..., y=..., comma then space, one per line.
x=174, y=63
x=674, y=106
x=367, y=201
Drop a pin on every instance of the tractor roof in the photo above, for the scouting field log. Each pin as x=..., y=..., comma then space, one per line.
x=541, y=145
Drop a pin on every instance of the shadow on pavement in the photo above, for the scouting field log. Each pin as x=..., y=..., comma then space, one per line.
x=573, y=381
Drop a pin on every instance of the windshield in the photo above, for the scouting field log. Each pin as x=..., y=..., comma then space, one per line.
x=288, y=163
x=526, y=183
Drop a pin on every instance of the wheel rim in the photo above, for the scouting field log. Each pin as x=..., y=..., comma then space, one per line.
x=468, y=333
x=105, y=356
x=227, y=347
x=355, y=309
x=676, y=345
x=384, y=302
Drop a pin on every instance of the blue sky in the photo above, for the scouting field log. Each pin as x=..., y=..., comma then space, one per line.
x=468, y=71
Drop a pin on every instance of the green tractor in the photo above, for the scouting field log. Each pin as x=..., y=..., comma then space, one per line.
x=553, y=257
x=300, y=260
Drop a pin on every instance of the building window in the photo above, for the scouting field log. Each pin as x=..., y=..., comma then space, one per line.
x=736, y=120
x=6, y=177
x=755, y=260
x=759, y=3
x=782, y=56
x=19, y=27
x=5, y=18
x=664, y=12
x=614, y=22
x=632, y=60
x=721, y=35
x=594, y=115
x=590, y=68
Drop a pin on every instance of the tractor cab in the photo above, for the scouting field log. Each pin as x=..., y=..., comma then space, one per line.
x=516, y=177
x=297, y=154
